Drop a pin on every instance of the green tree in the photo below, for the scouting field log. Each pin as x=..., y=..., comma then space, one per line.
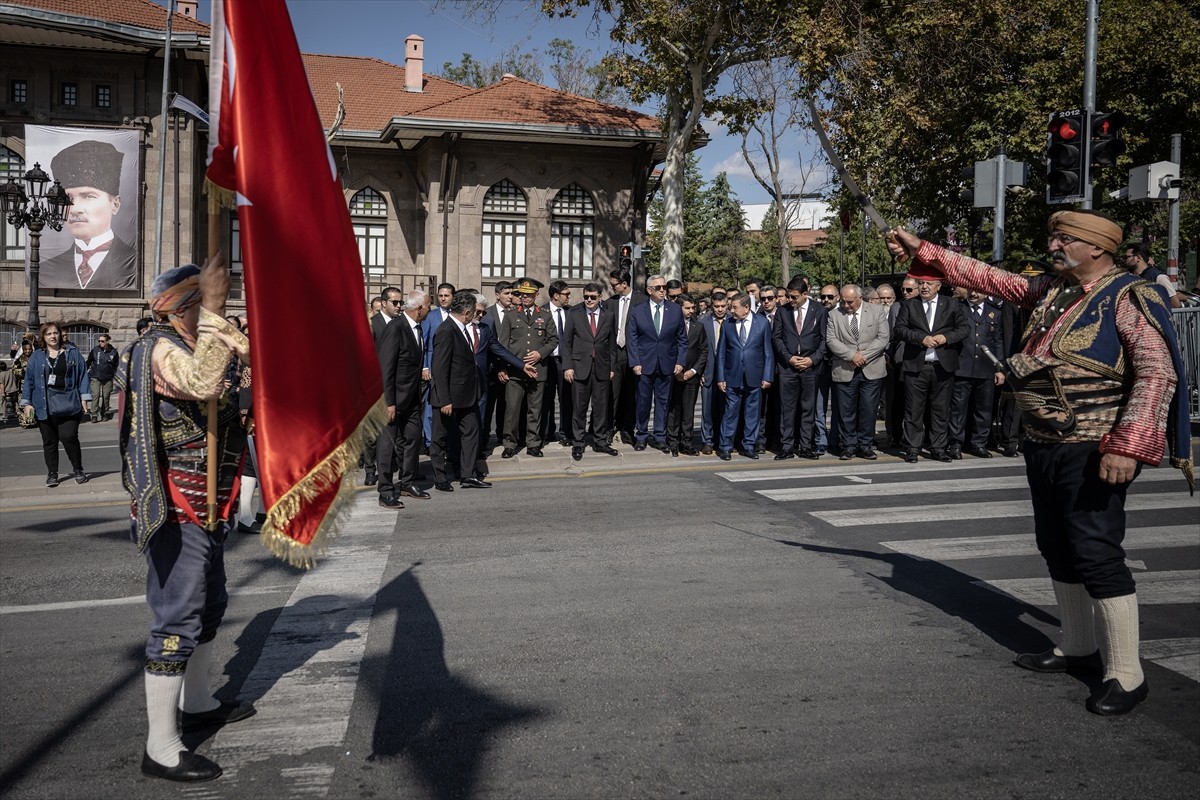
x=517, y=59
x=721, y=233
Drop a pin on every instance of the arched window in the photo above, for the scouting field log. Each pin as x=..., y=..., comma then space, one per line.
x=12, y=239
x=83, y=335
x=368, y=211
x=504, y=219
x=571, y=234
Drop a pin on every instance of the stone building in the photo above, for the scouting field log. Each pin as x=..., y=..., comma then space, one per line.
x=443, y=182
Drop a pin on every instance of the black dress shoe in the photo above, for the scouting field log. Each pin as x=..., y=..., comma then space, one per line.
x=911, y=457
x=509, y=452
x=536, y=452
x=253, y=527
x=955, y=453
x=1009, y=452
x=940, y=455
x=846, y=455
x=414, y=492
x=784, y=455
x=221, y=715
x=191, y=767
x=674, y=452
x=607, y=449
x=1111, y=700
x=564, y=441
x=868, y=454
x=474, y=483
x=52, y=480
x=639, y=446
x=750, y=454
x=443, y=487
x=390, y=501
x=577, y=453
x=371, y=478
x=661, y=447
x=1050, y=661
x=980, y=452
x=723, y=455
x=706, y=450
x=760, y=448
x=625, y=439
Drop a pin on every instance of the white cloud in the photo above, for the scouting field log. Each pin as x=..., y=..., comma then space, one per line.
x=791, y=171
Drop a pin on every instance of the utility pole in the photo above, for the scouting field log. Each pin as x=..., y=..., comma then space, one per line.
x=1089, y=89
x=998, y=222
x=1173, y=216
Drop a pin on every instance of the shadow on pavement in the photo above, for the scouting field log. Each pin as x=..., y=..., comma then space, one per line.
x=439, y=722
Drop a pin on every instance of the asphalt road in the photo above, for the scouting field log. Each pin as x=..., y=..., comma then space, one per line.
x=668, y=627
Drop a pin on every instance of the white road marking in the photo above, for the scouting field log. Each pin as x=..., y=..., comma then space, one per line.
x=1153, y=588
x=796, y=473
x=926, y=487
x=1178, y=655
x=857, y=479
x=1023, y=544
x=845, y=518
x=85, y=447
x=137, y=599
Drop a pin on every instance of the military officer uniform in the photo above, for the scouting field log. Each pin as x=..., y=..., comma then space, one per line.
x=524, y=330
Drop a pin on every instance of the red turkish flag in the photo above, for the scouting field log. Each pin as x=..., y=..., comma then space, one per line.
x=316, y=380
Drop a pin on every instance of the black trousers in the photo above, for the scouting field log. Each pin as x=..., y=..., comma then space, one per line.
x=857, y=401
x=971, y=411
x=624, y=396
x=931, y=386
x=797, y=409
x=681, y=413
x=558, y=393
x=768, y=409
x=465, y=421
x=65, y=430
x=1079, y=520
x=496, y=408
x=596, y=394
x=398, y=448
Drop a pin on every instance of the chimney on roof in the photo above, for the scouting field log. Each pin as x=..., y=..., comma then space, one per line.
x=414, y=63
x=187, y=7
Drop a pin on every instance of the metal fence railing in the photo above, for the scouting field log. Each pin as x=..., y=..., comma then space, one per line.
x=1187, y=328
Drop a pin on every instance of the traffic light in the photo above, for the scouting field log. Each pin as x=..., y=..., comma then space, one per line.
x=1066, y=157
x=625, y=260
x=1107, y=143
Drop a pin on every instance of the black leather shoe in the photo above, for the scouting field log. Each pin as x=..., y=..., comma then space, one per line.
x=868, y=454
x=811, y=455
x=390, y=501
x=955, y=453
x=760, y=448
x=723, y=455
x=221, y=715
x=846, y=456
x=1110, y=700
x=707, y=450
x=414, y=492
x=371, y=478
x=253, y=527
x=577, y=453
x=750, y=454
x=1050, y=661
x=625, y=438
x=674, y=452
x=784, y=455
x=52, y=480
x=564, y=441
x=509, y=452
x=443, y=487
x=980, y=452
x=608, y=449
x=536, y=452
x=661, y=447
x=474, y=483
x=911, y=457
x=1009, y=452
x=639, y=446
x=191, y=767
x=940, y=455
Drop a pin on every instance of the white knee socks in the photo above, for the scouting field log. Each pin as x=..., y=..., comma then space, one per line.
x=1119, y=640
x=1075, y=611
x=162, y=701
x=246, y=505
x=197, y=693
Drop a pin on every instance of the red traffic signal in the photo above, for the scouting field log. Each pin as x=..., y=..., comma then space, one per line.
x=1106, y=144
x=1066, y=129
x=1066, y=163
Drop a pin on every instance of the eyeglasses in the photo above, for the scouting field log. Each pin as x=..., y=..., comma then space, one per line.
x=395, y=302
x=1061, y=238
x=766, y=297
x=909, y=289
x=591, y=297
x=657, y=288
x=829, y=297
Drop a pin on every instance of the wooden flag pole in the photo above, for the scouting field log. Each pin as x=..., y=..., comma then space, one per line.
x=212, y=521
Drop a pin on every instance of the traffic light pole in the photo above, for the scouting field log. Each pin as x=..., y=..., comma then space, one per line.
x=999, y=222
x=1089, y=90
x=1173, y=216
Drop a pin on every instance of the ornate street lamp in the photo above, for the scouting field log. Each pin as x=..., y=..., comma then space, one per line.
x=35, y=210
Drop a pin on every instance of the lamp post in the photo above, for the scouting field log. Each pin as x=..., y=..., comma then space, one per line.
x=34, y=211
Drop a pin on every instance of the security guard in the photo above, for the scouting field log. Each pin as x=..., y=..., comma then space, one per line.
x=529, y=333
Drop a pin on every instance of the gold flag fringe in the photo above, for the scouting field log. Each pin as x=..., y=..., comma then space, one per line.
x=338, y=467
x=1186, y=467
x=219, y=197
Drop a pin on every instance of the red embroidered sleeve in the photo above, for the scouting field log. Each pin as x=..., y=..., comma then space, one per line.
x=969, y=273
x=1138, y=432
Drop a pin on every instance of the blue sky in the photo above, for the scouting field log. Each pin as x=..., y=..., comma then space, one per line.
x=377, y=28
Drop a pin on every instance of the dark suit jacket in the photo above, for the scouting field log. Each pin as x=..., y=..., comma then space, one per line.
x=583, y=353
x=454, y=375
x=378, y=326
x=696, y=357
x=810, y=342
x=987, y=332
x=912, y=327
x=491, y=355
x=709, y=323
x=749, y=365
x=119, y=270
x=401, y=360
x=655, y=352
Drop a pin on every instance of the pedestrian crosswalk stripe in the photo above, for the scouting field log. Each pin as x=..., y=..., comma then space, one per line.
x=1153, y=588
x=924, y=487
x=860, y=468
x=1179, y=655
x=1023, y=544
x=853, y=517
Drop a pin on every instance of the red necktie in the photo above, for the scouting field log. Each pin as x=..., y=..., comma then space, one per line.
x=474, y=337
x=85, y=269
x=592, y=322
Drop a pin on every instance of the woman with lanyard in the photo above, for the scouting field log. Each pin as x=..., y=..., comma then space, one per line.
x=56, y=390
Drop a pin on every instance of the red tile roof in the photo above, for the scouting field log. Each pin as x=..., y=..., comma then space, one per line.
x=374, y=90
x=514, y=100
x=806, y=240
x=141, y=13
